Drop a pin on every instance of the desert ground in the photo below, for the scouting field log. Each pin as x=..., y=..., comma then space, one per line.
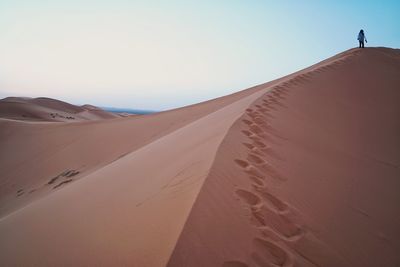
x=300, y=171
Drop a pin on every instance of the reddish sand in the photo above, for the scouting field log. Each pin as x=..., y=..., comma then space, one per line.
x=301, y=171
x=47, y=109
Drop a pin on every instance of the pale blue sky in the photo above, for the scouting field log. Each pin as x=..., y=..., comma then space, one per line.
x=165, y=54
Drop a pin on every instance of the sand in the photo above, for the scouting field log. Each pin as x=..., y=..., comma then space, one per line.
x=300, y=171
x=48, y=109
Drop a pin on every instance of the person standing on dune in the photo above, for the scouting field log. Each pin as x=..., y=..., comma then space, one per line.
x=361, y=38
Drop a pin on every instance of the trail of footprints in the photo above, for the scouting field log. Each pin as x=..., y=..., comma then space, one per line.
x=57, y=181
x=271, y=216
x=277, y=223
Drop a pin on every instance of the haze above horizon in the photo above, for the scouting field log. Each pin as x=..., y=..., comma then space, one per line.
x=158, y=55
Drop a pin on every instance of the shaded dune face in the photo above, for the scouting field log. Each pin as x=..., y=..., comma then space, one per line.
x=301, y=171
x=308, y=175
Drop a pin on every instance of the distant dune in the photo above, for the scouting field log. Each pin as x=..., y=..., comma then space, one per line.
x=128, y=111
x=47, y=109
x=300, y=171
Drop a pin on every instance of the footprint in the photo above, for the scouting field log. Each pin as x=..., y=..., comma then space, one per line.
x=256, y=138
x=263, y=110
x=254, y=149
x=286, y=228
x=67, y=173
x=258, y=151
x=247, y=122
x=254, y=114
x=242, y=163
x=259, y=120
x=303, y=77
x=52, y=180
x=257, y=180
x=259, y=144
x=247, y=133
x=286, y=84
x=70, y=173
x=277, y=95
x=121, y=156
x=256, y=219
x=234, y=264
x=249, y=146
x=20, y=192
x=63, y=182
x=297, y=81
x=277, y=204
x=267, y=106
x=249, y=110
x=266, y=126
x=255, y=159
x=253, y=171
x=256, y=129
x=248, y=197
x=292, y=82
x=270, y=106
x=268, y=252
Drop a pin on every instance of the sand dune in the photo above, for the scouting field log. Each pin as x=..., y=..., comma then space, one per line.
x=301, y=171
x=47, y=109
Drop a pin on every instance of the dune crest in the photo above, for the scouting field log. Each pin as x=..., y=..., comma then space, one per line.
x=300, y=171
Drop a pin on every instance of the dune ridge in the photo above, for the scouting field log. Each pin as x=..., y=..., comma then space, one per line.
x=170, y=195
x=47, y=150
x=281, y=174
x=271, y=214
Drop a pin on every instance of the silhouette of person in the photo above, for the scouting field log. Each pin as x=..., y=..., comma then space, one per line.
x=361, y=38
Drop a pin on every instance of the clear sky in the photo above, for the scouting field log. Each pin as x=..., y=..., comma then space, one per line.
x=165, y=54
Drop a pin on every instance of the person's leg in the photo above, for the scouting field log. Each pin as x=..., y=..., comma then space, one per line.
x=362, y=44
x=359, y=44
